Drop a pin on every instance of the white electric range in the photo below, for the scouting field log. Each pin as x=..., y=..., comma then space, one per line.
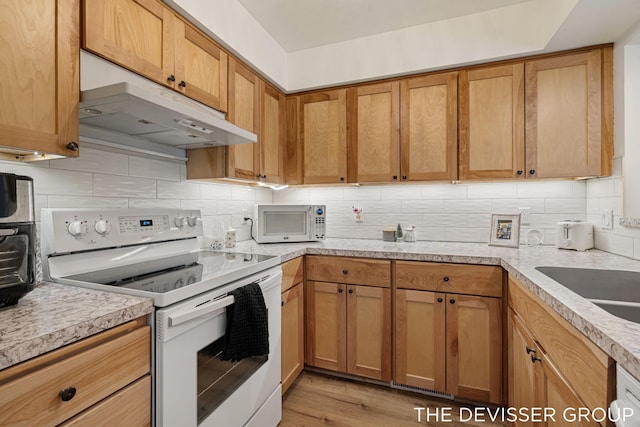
x=155, y=253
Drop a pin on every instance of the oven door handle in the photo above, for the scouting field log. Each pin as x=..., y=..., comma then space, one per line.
x=207, y=308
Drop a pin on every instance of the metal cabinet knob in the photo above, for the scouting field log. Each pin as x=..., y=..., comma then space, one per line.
x=452, y=301
x=345, y=271
x=182, y=83
x=339, y=290
x=446, y=278
x=72, y=146
x=519, y=172
x=530, y=350
x=342, y=179
x=171, y=78
x=532, y=171
x=439, y=299
x=535, y=359
x=67, y=394
x=395, y=176
x=350, y=291
x=404, y=176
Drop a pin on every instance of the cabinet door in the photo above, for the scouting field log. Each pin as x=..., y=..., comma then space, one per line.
x=369, y=331
x=492, y=122
x=293, y=163
x=200, y=67
x=525, y=387
x=326, y=325
x=39, y=64
x=323, y=133
x=137, y=35
x=292, y=335
x=564, y=116
x=474, y=347
x=429, y=127
x=271, y=134
x=420, y=339
x=560, y=396
x=374, y=116
x=244, y=111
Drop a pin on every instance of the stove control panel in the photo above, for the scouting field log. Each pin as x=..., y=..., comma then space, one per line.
x=72, y=230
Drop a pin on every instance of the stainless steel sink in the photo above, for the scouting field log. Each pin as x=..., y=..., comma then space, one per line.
x=615, y=291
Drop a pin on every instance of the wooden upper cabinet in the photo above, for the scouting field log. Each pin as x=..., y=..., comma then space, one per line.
x=429, y=111
x=271, y=142
x=135, y=34
x=323, y=135
x=373, y=124
x=244, y=111
x=147, y=37
x=39, y=64
x=565, y=115
x=492, y=122
x=200, y=67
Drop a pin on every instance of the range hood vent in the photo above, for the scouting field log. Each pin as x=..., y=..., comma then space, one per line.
x=159, y=115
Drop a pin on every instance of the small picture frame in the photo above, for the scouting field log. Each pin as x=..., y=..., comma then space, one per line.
x=505, y=230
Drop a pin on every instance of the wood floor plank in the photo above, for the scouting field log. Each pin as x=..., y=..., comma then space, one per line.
x=317, y=400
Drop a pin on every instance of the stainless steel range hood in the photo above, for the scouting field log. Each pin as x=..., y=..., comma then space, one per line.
x=123, y=113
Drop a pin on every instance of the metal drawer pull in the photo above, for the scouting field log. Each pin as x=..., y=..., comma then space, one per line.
x=535, y=359
x=67, y=394
x=530, y=350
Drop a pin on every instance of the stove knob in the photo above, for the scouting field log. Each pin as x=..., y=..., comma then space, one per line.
x=192, y=221
x=179, y=221
x=178, y=283
x=191, y=280
x=102, y=227
x=77, y=228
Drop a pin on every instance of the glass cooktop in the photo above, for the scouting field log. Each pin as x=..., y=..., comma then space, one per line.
x=169, y=274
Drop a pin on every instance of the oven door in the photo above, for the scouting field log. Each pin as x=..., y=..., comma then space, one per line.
x=193, y=386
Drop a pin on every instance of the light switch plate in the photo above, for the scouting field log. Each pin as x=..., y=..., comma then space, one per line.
x=606, y=219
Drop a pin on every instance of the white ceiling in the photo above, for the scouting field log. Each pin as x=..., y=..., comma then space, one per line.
x=304, y=24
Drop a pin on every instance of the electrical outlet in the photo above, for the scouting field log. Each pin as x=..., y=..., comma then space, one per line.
x=606, y=219
x=525, y=213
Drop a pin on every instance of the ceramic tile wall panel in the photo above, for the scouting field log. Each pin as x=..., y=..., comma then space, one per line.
x=606, y=193
x=124, y=186
x=103, y=179
x=97, y=161
x=151, y=168
x=450, y=212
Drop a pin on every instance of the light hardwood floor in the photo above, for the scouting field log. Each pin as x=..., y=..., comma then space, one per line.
x=319, y=400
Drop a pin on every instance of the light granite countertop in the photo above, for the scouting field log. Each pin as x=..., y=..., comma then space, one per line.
x=54, y=315
x=619, y=338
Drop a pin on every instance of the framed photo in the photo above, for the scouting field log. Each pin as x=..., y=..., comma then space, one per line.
x=505, y=230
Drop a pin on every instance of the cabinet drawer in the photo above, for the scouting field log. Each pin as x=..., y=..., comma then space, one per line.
x=484, y=280
x=582, y=363
x=34, y=399
x=292, y=273
x=358, y=271
x=132, y=404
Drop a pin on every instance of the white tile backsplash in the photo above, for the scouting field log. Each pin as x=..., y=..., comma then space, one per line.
x=440, y=211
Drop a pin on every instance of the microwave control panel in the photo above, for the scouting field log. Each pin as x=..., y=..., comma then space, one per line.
x=319, y=223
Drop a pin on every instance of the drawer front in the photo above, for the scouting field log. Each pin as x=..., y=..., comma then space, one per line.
x=357, y=271
x=96, y=373
x=483, y=280
x=132, y=404
x=292, y=273
x=581, y=362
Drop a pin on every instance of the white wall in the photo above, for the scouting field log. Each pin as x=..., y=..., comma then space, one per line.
x=101, y=179
x=444, y=212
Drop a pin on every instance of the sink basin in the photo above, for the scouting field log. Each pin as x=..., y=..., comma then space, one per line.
x=615, y=291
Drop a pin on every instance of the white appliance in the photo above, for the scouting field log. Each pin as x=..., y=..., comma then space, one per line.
x=155, y=253
x=625, y=410
x=289, y=223
x=574, y=234
x=156, y=114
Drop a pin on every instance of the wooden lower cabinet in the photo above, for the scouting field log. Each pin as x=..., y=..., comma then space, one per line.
x=82, y=382
x=292, y=334
x=536, y=382
x=449, y=343
x=349, y=328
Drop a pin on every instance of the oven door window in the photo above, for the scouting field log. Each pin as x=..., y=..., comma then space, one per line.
x=285, y=223
x=218, y=379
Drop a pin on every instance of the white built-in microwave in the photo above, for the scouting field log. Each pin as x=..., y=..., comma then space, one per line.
x=289, y=223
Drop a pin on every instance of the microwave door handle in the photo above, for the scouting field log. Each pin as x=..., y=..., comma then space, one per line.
x=201, y=311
